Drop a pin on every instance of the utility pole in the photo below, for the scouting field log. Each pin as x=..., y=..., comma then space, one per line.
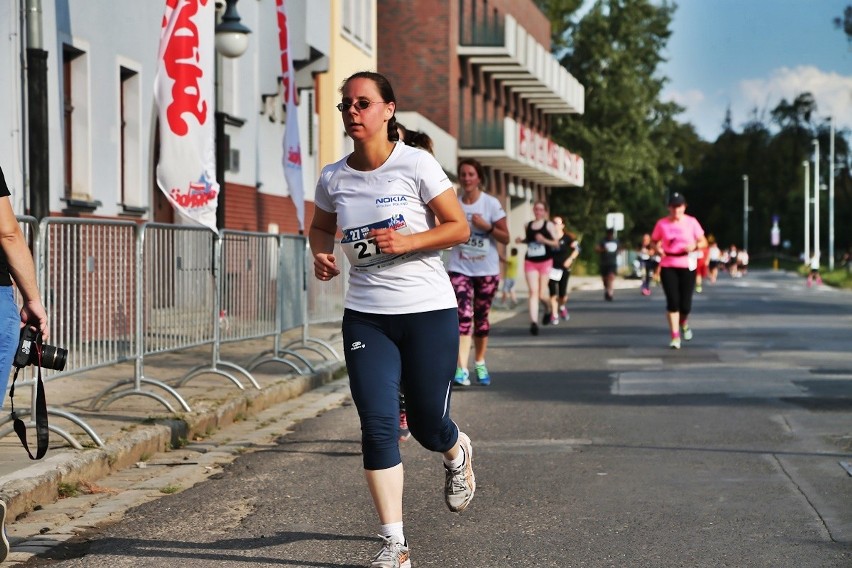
x=816, y=198
x=745, y=212
x=831, y=200
x=807, y=166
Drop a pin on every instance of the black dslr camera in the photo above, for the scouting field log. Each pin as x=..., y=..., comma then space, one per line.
x=30, y=344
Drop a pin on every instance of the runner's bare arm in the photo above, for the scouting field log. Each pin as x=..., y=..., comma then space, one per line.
x=452, y=229
x=321, y=238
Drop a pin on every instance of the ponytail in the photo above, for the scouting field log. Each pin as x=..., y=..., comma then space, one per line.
x=393, y=132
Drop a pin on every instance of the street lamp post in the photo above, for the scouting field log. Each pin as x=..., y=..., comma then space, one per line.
x=231, y=42
x=831, y=200
x=745, y=212
x=807, y=166
x=816, y=199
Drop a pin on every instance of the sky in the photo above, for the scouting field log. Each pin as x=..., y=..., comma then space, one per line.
x=747, y=54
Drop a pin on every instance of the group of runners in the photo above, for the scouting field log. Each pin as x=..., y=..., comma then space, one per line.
x=409, y=321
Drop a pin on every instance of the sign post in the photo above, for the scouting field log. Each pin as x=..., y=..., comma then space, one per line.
x=775, y=237
x=615, y=221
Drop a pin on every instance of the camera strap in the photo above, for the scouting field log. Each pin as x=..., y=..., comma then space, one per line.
x=42, y=430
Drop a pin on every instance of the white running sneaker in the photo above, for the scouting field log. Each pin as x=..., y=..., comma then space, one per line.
x=675, y=343
x=460, y=484
x=394, y=554
x=686, y=333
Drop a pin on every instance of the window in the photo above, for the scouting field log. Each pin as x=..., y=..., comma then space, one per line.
x=76, y=114
x=130, y=163
x=358, y=23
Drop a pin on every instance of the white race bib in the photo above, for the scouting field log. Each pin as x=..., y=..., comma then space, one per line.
x=693, y=260
x=535, y=250
x=363, y=253
x=556, y=274
x=476, y=245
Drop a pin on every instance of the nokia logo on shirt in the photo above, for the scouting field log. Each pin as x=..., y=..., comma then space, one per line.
x=391, y=199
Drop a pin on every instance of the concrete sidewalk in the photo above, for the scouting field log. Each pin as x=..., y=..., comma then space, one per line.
x=133, y=427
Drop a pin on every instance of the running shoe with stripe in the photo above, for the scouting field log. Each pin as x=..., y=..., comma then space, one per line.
x=686, y=333
x=462, y=377
x=404, y=432
x=675, y=343
x=394, y=554
x=482, y=375
x=460, y=483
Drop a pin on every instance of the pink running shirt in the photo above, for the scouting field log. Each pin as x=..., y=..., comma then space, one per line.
x=675, y=237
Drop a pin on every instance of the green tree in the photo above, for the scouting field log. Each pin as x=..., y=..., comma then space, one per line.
x=561, y=16
x=845, y=23
x=636, y=151
x=772, y=156
x=632, y=146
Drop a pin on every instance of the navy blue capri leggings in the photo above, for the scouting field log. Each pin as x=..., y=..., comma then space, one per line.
x=418, y=351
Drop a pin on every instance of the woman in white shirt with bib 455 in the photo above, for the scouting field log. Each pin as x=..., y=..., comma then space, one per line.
x=474, y=269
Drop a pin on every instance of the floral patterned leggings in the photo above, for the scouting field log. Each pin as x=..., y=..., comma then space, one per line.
x=474, y=295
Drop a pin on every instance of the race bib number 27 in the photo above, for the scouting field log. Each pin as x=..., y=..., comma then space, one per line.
x=362, y=251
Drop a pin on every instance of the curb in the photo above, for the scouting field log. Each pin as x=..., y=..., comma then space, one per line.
x=39, y=484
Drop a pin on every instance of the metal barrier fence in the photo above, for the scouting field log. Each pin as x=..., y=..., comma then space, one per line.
x=175, y=304
x=324, y=300
x=202, y=262
x=67, y=272
x=291, y=310
x=116, y=291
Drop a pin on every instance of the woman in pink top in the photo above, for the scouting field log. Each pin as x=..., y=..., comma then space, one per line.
x=678, y=237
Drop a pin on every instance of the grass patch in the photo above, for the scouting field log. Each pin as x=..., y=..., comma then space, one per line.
x=838, y=278
x=169, y=489
x=68, y=490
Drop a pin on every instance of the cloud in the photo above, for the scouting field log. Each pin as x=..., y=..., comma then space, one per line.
x=706, y=110
x=832, y=92
x=688, y=99
x=703, y=112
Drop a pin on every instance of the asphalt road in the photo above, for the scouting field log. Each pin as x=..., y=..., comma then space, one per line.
x=595, y=446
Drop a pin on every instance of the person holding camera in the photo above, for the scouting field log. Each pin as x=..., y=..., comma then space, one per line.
x=16, y=266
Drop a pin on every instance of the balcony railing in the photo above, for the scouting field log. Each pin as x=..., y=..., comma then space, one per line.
x=478, y=28
x=519, y=150
x=482, y=135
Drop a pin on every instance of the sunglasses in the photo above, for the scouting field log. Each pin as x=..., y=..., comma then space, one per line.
x=362, y=104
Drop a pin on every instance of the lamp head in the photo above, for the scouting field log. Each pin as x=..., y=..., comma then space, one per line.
x=231, y=34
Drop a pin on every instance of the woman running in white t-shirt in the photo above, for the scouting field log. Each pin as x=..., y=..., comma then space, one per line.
x=399, y=324
x=474, y=269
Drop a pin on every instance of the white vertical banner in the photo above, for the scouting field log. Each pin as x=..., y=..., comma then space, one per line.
x=183, y=89
x=292, y=158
